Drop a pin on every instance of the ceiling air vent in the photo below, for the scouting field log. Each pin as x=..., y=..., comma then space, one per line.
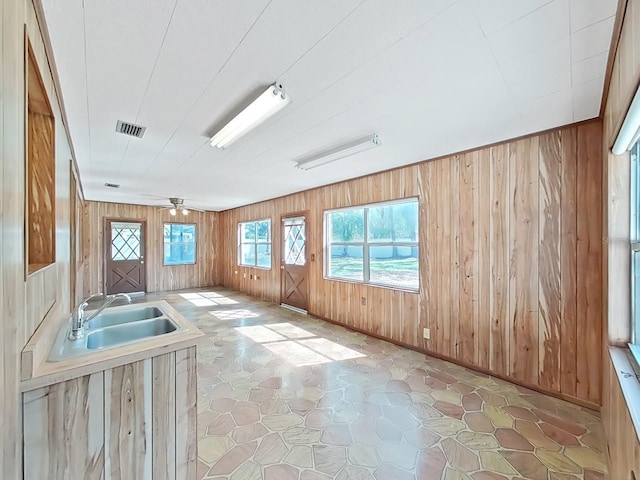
x=130, y=129
x=112, y=185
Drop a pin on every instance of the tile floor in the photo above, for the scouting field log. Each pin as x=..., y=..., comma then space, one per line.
x=283, y=396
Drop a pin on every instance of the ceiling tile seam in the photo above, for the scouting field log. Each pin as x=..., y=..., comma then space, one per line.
x=86, y=79
x=205, y=90
x=296, y=107
x=504, y=80
x=573, y=104
x=523, y=16
x=146, y=89
x=600, y=20
x=329, y=32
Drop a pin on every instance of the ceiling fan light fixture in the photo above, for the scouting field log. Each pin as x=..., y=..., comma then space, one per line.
x=270, y=102
x=339, y=152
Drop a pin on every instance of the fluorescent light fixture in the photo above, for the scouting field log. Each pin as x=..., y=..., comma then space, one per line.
x=630, y=129
x=339, y=152
x=271, y=101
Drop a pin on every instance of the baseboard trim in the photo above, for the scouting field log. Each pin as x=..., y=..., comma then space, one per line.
x=569, y=398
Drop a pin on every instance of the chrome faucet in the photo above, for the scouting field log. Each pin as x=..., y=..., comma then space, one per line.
x=78, y=320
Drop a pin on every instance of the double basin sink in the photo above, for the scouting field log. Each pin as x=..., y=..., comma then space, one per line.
x=113, y=327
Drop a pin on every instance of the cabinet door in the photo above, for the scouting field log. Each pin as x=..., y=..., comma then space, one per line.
x=64, y=430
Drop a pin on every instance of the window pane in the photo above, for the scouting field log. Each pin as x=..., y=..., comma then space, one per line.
x=179, y=243
x=635, y=295
x=248, y=231
x=264, y=255
x=394, y=265
x=393, y=223
x=264, y=230
x=345, y=261
x=346, y=225
x=247, y=254
x=179, y=253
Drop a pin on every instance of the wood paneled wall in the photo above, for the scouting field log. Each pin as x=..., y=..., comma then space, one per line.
x=131, y=422
x=510, y=259
x=44, y=296
x=159, y=277
x=623, y=446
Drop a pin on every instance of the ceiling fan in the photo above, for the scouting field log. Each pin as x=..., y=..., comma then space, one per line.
x=178, y=206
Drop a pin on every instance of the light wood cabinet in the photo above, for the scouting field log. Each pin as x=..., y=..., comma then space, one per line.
x=137, y=421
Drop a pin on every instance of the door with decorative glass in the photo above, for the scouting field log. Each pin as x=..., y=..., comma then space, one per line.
x=294, y=285
x=124, y=262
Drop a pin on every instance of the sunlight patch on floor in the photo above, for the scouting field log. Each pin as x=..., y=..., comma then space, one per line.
x=235, y=314
x=298, y=346
x=207, y=299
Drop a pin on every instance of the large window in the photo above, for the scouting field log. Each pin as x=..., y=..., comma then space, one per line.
x=635, y=243
x=179, y=243
x=254, y=243
x=375, y=244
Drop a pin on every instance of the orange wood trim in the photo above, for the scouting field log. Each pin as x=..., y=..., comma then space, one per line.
x=613, y=50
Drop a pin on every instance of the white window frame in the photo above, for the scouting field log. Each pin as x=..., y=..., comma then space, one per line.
x=195, y=244
x=366, y=244
x=255, y=243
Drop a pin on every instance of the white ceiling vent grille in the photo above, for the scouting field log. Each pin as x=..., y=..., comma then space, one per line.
x=130, y=129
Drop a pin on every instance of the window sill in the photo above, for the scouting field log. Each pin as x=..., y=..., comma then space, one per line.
x=253, y=266
x=415, y=291
x=629, y=378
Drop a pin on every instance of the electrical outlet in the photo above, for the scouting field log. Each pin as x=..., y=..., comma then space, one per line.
x=244, y=275
x=235, y=272
x=363, y=300
x=426, y=333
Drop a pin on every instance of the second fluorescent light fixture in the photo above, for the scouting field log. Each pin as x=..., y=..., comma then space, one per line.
x=339, y=152
x=271, y=101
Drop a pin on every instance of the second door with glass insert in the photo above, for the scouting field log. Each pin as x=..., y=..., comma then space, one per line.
x=294, y=284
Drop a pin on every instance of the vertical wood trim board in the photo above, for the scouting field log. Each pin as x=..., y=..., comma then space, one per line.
x=510, y=259
x=186, y=440
x=64, y=430
x=164, y=417
x=128, y=415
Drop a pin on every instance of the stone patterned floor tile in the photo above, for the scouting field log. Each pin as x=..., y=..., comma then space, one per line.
x=284, y=396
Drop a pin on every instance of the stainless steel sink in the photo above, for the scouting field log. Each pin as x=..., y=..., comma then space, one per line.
x=114, y=327
x=110, y=318
x=129, y=332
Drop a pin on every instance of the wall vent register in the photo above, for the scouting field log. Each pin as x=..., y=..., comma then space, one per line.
x=130, y=129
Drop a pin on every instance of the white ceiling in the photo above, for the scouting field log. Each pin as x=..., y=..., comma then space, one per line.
x=429, y=77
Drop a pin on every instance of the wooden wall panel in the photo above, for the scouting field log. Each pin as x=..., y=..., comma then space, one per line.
x=589, y=264
x=64, y=430
x=550, y=253
x=164, y=416
x=22, y=301
x=128, y=413
x=623, y=445
x=186, y=440
x=498, y=264
x=41, y=198
x=159, y=277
